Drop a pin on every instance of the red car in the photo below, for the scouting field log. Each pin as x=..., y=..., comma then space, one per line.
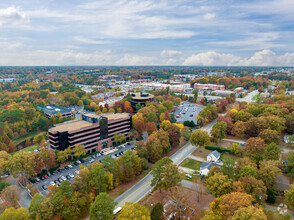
x=45, y=176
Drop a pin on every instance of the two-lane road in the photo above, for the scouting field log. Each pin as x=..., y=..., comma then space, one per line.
x=143, y=187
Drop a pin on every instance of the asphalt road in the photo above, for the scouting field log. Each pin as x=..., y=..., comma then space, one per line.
x=73, y=170
x=183, y=113
x=143, y=187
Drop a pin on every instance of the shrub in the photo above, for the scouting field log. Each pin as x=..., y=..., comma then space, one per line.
x=219, y=149
x=156, y=213
x=3, y=185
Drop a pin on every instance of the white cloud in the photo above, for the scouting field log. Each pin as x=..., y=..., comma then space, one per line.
x=12, y=15
x=90, y=41
x=261, y=58
x=209, y=16
x=170, y=53
x=135, y=60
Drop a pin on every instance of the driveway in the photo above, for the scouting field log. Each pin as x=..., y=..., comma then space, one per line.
x=196, y=158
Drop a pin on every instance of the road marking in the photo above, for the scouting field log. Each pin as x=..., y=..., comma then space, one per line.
x=135, y=191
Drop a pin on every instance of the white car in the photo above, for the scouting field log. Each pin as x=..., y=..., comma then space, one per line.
x=63, y=178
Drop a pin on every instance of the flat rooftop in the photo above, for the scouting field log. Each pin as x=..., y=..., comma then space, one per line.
x=70, y=126
x=114, y=116
x=92, y=115
x=138, y=95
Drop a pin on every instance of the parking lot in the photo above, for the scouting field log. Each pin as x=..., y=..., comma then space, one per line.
x=75, y=167
x=187, y=112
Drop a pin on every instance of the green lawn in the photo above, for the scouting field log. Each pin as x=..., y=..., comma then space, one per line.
x=225, y=156
x=16, y=141
x=191, y=164
x=31, y=148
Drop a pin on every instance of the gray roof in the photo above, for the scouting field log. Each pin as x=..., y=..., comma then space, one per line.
x=215, y=153
x=54, y=109
x=208, y=165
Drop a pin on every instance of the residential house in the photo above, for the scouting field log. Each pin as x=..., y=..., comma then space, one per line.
x=213, y=156
x=205, y=168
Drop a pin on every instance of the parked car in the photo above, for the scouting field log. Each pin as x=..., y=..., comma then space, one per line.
x=52, y=183
x=63, y=178
x=33, y=180
x=53, y=173
x=57, y=182
x=71, y=175
x=44, y=187
x=38, y=180
x=42, y=178
x=178, y=116
x=82, y=161
x=91, y=161
x=191, y=115
x=49, y=174
x=68, y=177
x=129, y=143
x=60, y=179
x=45, y=176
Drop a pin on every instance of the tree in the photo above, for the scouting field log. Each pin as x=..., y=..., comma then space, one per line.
x=15, y=214
x=272, y=152
x=290, y=164
x=249, y=212
x=3, y=185
x=164, y=123
x=79, y=150
x=195, y=93
x=102, y=207
x=139, y=127
x=154, y=148
x=219, y=184
x=226, y=205
x=22, y=163
x=11, y=147
x=158, y=170
x=229, y=123
x=157, y=212
x=171, y=176
x=150, y=127
x=254, y=187
x=98, y=178
x=4, y=161
x=269, y=136
x=289, y=197
x=235, y=148
x=271, y=196
x=11, y=194
x=247, y=170
x=134, y=211
x=63, y=156
x=268, y=171
x=39, y=138
x=200, y=138
x=239, y=129
x=254, y=148
x=186, y=133
x=174, y=134
x=28, y=143
x=41, y=208
x=218, y=130
x=290, y=123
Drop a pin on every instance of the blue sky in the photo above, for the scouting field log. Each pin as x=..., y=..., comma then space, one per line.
x=151, y=32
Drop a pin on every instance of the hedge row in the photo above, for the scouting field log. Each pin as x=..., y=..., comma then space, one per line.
x=219, y=149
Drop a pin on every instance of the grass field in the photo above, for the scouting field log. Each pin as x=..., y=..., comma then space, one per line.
x=191, y=164
x=203, y=154
x=225, y=156
x=16, y=141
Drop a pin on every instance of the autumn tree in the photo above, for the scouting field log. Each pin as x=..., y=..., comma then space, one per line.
x=63, y=156
x=15, y=214
x=268, y=171
x=41, y=207
x=249, y=212
x=254, y=148
x=236, y=148
x=272, y=152
x=239, y=129
x=289, y=197
x=174, y=134
x=102, y=207
x=79, y=150
x=219, y=184
x=22, y=163
x=39, y=138
x=154, y=148
x=157, y=212
x=98, y=178
x=226, y=205
x=134, y=211
x=290, y=164
x=269, y=136
x=150, y=127
x=218, y=131
x=186, y=133
x=158, y=170
x=28, y=143
x=200, y=138
x=254, y=187
x=11, y=195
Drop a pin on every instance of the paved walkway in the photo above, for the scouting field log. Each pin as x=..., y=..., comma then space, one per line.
x=233, y=140
x=196, y=158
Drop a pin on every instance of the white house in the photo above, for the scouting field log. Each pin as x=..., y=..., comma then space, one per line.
x=213, y=156
x=205, y=168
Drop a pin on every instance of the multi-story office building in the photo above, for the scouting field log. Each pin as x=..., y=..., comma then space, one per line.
x=95, y=132
x=140, y=98
x=52, y=110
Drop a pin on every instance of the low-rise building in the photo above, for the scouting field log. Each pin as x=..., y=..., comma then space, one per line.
x=141, y=98
x=213, y=156
x=52, y=111
x=95, y=132
x=211, y=87
x=239, y=90
x=205, y=168
x=6, y=80
x=223, y=93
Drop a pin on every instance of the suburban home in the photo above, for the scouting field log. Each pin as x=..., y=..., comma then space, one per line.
x=205, y=168
x=287, y=139
x=213, y=156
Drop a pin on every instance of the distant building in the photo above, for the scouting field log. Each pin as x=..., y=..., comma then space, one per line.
x=211, y=87
x=52, y=111
x=140, y=98
x=95, y=132
x=239, y=90
x=223, y=92
x=6, y=80
x=213, y=156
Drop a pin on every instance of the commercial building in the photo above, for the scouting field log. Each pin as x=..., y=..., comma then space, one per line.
x=52, y=111
x=223, y=93
x=6, y=80
x=172, y=87
x=95, y=132
x=140, y=98
x=211, y=87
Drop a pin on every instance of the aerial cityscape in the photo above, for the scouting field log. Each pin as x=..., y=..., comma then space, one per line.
x=152, y=110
